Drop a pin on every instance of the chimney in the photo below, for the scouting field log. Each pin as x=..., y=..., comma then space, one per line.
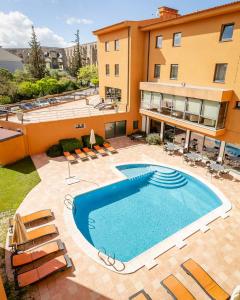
x=166, y=13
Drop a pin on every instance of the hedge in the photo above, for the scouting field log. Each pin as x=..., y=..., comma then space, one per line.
x=153, y=139
x=86, y=140
x=69, y=145
x=55, y=151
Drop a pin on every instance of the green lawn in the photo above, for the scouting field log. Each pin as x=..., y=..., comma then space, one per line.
x=16, y=181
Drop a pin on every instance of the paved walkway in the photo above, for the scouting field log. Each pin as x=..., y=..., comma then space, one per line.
x=217, y=250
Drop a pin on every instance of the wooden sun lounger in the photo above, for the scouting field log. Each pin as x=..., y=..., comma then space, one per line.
x=177, y=290
x=57, y=264
x=207, y=283
x=100, y=150
x=21, y=258
x=37, y=233
x=109, y=148
x=89, y=152
x=69, y=157
x=81, y=155
x=38, y=215
x=141, y=295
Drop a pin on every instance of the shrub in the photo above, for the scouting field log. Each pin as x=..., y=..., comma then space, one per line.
x=69, y=145
x=5, y=100
x=27, y=90
x=86, y=140
x=153, y=139
x=55, y=151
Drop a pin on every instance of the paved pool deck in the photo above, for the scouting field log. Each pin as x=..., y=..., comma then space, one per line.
x=217, y=250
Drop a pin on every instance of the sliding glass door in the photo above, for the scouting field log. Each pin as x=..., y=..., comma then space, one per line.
x=115, y=129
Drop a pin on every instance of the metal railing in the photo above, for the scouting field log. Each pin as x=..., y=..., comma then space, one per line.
x=111, y=261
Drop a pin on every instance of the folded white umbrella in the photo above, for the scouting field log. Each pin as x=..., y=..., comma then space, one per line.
x=92, y=138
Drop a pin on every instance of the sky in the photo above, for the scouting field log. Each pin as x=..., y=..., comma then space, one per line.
x=56, y=21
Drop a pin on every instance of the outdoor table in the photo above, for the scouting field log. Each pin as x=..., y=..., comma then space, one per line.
x=193, y=156
x=217, y=167
x=172, y=147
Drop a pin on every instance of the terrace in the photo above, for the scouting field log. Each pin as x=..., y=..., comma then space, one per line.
x=216, y=249
x=84, y=107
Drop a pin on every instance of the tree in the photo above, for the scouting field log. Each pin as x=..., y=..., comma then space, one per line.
x=95, y=82
x=36, y=66
x=87, y=73
x=7, y=86
x=76, y=62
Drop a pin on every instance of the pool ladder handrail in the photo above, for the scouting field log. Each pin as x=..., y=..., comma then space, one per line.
x=68, y=201
x=109, y=263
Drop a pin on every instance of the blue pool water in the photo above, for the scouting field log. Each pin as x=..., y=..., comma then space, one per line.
x=129, y=217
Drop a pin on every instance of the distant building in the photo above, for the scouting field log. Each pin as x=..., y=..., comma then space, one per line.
x=10, y=61
x=60, y=58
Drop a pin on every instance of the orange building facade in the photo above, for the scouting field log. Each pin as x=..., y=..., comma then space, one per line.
x=180, y=73
x=174, y=75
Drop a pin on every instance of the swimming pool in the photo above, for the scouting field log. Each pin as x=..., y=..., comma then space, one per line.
x=151, y=206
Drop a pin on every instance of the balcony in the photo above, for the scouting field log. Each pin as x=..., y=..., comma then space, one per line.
x=186, y=111
x=190, y=91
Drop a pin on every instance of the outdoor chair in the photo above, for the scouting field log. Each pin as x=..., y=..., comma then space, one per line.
x=100, y=150
x=38, y=215
x=109, y=148
x=176, y=289
x=206, y=282
x=57, y=264
x=20, y=258
x=141, y=295
x=36, y=234
x=89, y=152
x=69, y=157
x=81, y=155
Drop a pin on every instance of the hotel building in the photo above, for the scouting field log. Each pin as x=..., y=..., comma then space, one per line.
x=180, y=73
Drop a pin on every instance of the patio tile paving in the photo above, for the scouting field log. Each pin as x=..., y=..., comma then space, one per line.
x=217, y=250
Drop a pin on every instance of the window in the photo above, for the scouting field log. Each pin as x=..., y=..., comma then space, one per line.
x=220, y=72
x=226, y=32
x=113, y=94
x=177, y=39
x=107, y=49
x=80, y=126
x=135, y=125
x=174, y=72
x=116, y=69
x=159, y=40
x=238, y=104
x=116, y=45
x=157, y=69
x=107, y=69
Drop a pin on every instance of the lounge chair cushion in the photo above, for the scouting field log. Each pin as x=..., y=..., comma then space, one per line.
x=41, y=231
x=177, y=289
x=41, y=272
x=205, y=280
x=37, y=253
x=41, y=214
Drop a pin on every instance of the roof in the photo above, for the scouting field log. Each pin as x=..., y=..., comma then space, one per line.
x=150, y=24
x=7, y=56
x=202, y=14
x=6, y=134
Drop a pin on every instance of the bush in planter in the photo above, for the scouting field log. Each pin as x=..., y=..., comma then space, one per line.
x=69, y=145
x=54, y=151
x=86, y=140
x=153, y=139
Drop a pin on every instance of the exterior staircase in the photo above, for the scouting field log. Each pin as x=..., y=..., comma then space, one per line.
x=168, y=180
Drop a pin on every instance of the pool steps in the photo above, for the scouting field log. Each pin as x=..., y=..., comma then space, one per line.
x=169, y=180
